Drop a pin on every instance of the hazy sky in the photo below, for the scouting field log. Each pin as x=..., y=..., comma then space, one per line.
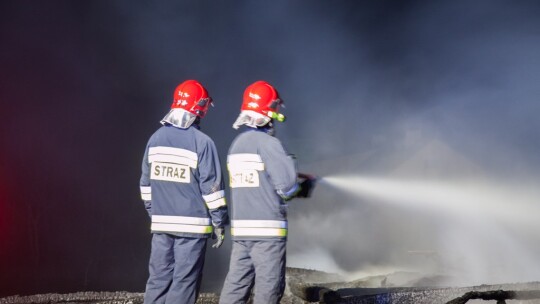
x=440, y=89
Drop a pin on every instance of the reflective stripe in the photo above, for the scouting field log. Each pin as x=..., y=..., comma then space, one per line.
x=214, y=196
x=168, y=223
x=181, y=228
x=217, y=203
x=188, y=220
x=245, y=161
x=215, y=200
x=146, y=193
x=258, y=228
x=172, y=155
x=258, y=224
x=259, y=232
x=244, y=157
x=290, y=193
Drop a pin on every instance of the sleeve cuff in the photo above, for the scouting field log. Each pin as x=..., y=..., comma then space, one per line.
x=289, y=194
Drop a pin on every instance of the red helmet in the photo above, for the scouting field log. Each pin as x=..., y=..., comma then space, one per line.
x=260, y=105
x=262, y=98
x=190, y=101
x=191, y=96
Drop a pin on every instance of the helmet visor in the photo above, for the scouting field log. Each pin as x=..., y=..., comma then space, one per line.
x=275, y=104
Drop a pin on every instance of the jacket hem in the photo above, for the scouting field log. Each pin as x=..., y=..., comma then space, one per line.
x=185, y=234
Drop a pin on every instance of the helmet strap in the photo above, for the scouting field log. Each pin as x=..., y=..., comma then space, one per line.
x=197, y=123
x=268, y=128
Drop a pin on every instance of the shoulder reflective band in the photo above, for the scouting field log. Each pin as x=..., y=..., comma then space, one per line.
x=146, y=193
x=166, y=223
x=243, y=169
x=172, y=155
x=258, y=228
x=215, y=200
x=245, y=161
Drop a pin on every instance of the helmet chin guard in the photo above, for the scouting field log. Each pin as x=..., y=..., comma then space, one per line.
x=251, y=119
x=179, y=118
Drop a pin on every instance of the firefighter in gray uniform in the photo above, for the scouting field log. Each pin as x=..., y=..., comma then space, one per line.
x=262, y=178
x=182, y=189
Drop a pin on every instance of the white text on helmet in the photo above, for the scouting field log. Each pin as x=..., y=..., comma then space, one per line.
x=254, y=96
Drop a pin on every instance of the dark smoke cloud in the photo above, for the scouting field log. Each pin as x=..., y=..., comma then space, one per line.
x=84, y=84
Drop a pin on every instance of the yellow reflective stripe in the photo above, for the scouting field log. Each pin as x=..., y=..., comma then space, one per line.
x=188, y=220
x=164, y=227
x=214, y=196
x=189, y=224
x=282, y=232
x=216, y=204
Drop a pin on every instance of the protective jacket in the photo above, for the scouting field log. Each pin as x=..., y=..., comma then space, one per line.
x=182, y=190
x=261, y=174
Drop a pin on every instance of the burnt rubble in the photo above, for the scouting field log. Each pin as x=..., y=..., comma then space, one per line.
x=120, y=297
x=498, y=295
x=311, y=286
x=357, y=292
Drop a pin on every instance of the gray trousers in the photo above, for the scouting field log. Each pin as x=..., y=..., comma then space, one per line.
x=175, y=267
x=259, y=263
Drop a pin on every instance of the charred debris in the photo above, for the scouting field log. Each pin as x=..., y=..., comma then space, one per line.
x=312, y=286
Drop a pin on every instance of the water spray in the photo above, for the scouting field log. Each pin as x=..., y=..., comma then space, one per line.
x=466, y=197
x=482, y=225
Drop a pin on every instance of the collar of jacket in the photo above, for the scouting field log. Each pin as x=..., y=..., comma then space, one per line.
x=268, y=129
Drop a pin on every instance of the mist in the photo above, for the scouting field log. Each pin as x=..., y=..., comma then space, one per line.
x=416, y=114
x=429, y=158
x=484, y=230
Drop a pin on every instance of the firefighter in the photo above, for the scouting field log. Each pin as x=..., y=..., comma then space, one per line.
x=262, y=178
x=183, y=192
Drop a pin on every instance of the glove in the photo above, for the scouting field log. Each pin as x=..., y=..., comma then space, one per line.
x=148, y=207
x=306, y=187
x=219, y=234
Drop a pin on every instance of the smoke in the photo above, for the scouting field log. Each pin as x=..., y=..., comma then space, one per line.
x=427, y=95
x=430, y=146
x=426, y=202
x=422, y=204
